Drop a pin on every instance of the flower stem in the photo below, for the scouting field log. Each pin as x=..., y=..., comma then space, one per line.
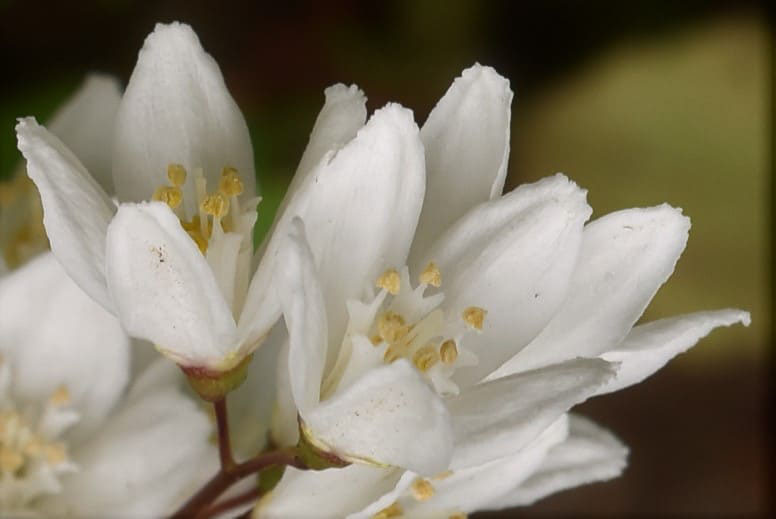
x=228, y=476
x=224, y=442
x=233, y=502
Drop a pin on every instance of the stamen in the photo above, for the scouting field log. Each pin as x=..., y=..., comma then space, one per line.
x=170, y=195
x=177, y=174
x=448, y=352
x=431, y=275
x=61, y=396
x=391, y=327
x=390, y=281
x=393, y=510
x=422, y=489
x=216, y=204
x=474, y=317
x=425, y=358
x=442, y=475
x=230, y=183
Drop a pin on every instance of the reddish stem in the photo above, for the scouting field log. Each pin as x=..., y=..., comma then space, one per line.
x=233, y=502
x=224, y=442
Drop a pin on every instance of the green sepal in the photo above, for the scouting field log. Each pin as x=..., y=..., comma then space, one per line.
x=214, y=385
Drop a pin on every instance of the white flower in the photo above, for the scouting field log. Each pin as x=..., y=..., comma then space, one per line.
x=512, y=290
x=77, y=437
x=174, y=270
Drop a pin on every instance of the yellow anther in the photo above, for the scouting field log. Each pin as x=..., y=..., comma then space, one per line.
x=431, y=275
x=10, y=460
x=230, y=183
x=457, y=515
x=216, y=204
x=448, y=352
x=392, y=354
x=54, y=453
x=177, y=174
x=61, y=396
x=422, y=489
x=34, y=448
x=425, y=357
x=170, y=195
x=390, y=281
x=375, y=340
x=391, y=327
x=474, y=317
x=393, y=510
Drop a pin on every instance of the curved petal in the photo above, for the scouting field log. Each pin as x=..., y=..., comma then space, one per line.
x=466, y=138
x=164, y=290
x=284, y=428
x=624, y=259
x=513, y=256
x=360, y=206
x=342, y=116
x=590, y=454
x=475, y=488
x=648, y=347
x=177, y=109
x=85, y=124
x=497, y=418
x=332, y=493
x=389, y=416
x=142, y=463
x=76, y=211
x=305, y=316
x=55, y=335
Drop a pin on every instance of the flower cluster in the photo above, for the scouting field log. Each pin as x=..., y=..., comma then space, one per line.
x=407, y=341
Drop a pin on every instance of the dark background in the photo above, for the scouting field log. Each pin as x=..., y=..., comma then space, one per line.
x=641, y=102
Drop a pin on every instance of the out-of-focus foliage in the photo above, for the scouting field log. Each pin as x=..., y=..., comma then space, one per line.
x=681, y=119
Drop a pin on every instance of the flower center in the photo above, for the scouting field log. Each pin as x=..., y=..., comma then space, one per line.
x=32, y=453
x=401, y=322
x=217, y=212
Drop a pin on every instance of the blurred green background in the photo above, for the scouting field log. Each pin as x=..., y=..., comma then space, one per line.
x=639, y=102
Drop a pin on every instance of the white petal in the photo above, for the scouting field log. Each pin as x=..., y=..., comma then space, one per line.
x=648, y=347
x=389, y=416
x=331, y=493
x=85, y=124
x=76, y=211
x=466, y=138
x=497, y=418
x=177, y=109
x=513, y=256
x=284, y=427
x=164, y=289
x=624, y=259
x=360, y=207
x=474, y=488
x=342, y=115
x=589, y=454
x=142, y=463
x=55, y=335
x=305, y=316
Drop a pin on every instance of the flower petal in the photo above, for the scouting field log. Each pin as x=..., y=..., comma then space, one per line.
x=54, y=335
x=497, y=418
x=624, y=259
x=466, y=138
x=177, y=109
x=648, y=347
x=330, y=493
x=360, y=207
x=76, y=211
x=342, y=116
x=389, y=416
x=474, y=488
x=143, y=462
x=85, y=124
x=513, y=256
x=164, y=289
x=305, y=315
x=590, y=454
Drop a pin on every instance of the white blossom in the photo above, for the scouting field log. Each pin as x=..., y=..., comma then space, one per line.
x=175, y=270
x=439, y=328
